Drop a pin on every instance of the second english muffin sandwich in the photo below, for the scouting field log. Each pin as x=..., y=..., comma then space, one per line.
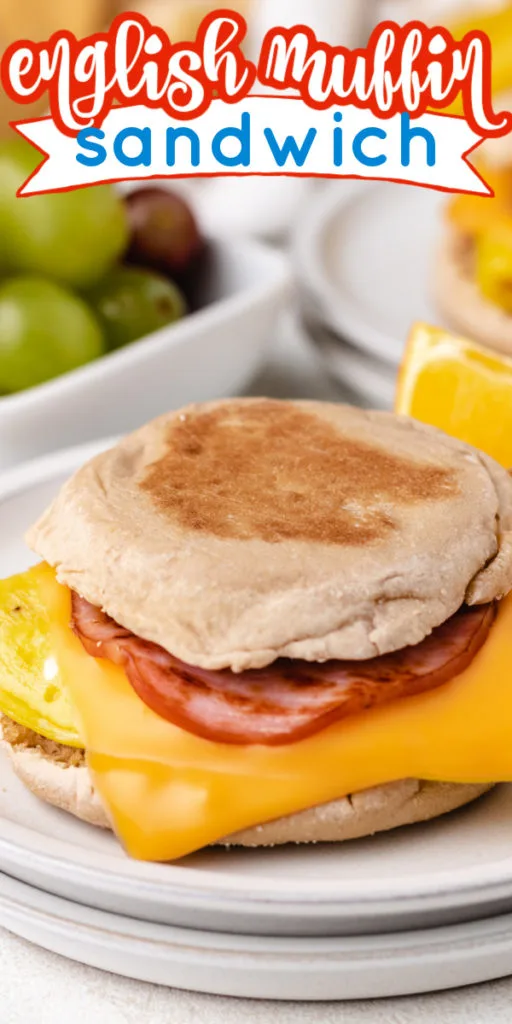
x=473, y=262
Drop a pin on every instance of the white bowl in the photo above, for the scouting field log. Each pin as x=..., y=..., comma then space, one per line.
x=210, y=353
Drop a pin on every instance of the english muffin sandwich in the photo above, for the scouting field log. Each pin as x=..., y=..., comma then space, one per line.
x=261, y=622
x=473, y=263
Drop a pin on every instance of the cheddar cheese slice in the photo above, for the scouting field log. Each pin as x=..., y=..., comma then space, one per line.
x=170, y=793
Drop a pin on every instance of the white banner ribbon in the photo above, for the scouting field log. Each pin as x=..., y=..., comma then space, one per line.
x=260, y=135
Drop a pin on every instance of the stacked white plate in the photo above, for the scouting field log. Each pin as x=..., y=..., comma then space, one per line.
x=424, y=908
x=363, y=255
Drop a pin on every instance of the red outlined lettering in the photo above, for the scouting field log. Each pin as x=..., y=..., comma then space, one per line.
x=410, y=68
x=134, y=62
x=404, y=68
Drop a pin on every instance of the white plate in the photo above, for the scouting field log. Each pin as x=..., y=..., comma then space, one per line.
x=261, y=967
x=451, y=869
x=211, y=353
x=364, y=259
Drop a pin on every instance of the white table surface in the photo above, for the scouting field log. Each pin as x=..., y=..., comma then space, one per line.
x=37, y=987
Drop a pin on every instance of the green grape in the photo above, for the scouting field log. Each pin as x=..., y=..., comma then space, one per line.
x=45, y=330
x=73, y=237
x=131, y=302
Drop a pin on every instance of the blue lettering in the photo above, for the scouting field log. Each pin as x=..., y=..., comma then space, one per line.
x=408, y=134
x=290, y=147
x=85, y=139
x=182, y=133
x=242, y=135
x=337, y=141
x=357, y=147
x=143, y=135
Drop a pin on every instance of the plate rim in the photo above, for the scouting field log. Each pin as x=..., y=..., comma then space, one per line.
x=23, y=895
x=262, y=966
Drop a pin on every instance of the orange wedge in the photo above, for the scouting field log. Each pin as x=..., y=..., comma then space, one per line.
x=459, y=386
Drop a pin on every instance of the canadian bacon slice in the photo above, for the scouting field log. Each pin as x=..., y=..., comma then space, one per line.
x=288, y=700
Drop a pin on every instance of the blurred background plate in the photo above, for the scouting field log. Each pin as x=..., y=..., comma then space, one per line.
x=363, y=257
x=369, y=382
